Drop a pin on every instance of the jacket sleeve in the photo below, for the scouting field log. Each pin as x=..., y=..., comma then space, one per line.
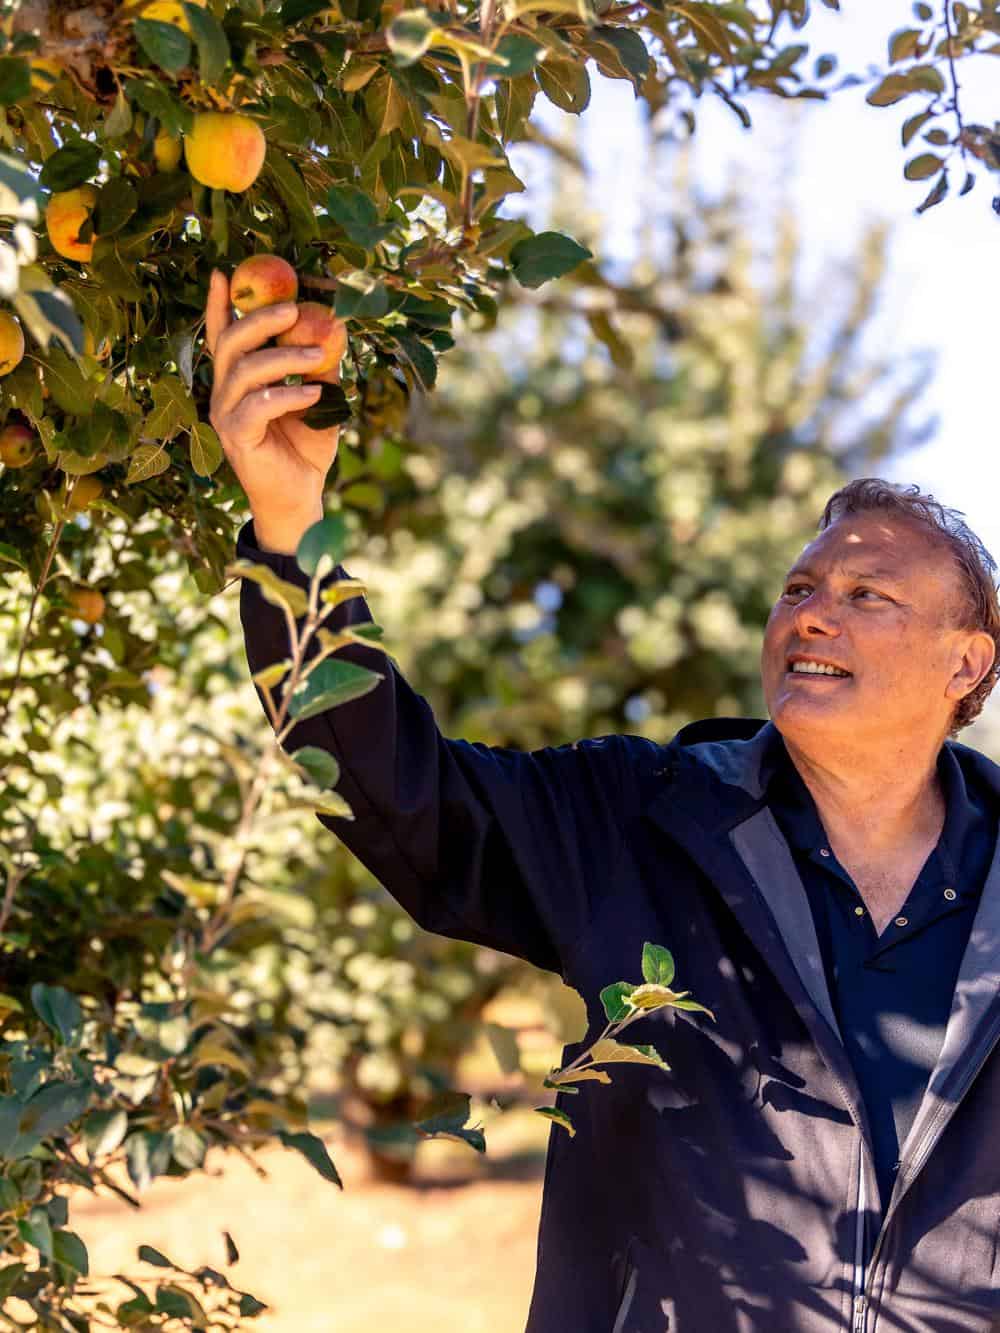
x=496, y=846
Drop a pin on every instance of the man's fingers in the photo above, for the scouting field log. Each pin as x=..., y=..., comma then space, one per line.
x=260, y=370
x=248, y=424
x=218, y=311
x=251, y=332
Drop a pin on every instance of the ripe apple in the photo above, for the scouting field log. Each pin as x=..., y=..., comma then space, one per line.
x=11, y=343
x=317, y=326
x=17, y=445
x=262, y=280
x=66, y=213
x=166, y=151
x=225, y=150
x=88, y=603
x=85, y=492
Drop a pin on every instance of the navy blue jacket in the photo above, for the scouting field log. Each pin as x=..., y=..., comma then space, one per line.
x=731, y=1194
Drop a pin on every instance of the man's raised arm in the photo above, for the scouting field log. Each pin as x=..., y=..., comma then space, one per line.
x=508, y=849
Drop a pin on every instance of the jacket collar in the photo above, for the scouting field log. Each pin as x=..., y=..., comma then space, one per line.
x=713, y=803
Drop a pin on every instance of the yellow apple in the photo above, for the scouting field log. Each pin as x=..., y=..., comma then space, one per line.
x=166, y=150
x=17, y=445
x=11, y=343
x=88, y=603
x=225, y=150
x=66, y=213
x=85, y=492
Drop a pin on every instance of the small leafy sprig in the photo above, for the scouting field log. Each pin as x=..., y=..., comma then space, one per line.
x=623, y=1004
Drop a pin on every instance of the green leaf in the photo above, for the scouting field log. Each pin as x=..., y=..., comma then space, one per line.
x=613, y=999
x=936, y=195
x=320, y=765
x=893, y=88
x=103, y=1131
x=446, y=1118
x=903, y=44
x=547, y=255
x=10, y=1275
x=173, y=409
x=503, y=1043
x=117, y=201
x=356, y=213
x=360, y=296
x=69, y=1249
x=410, y=34
x=315, y=1153
x=48, y=314
x=36, y=1229
x=565, y=83
x=15, y=80
x=657, y=964
x=118, y=121
x=517, y=55
x=188, y=1147
x=272, y=675
x=206, y=449
x=923, y=166
x=416, y=357
x=330, y=409
x=275, y=590
x=165, y=44
x=150, y=1256
x=327, y=537
x=912, y=126
x=609, y=1051
x=631, y=51
x=211, y=40
x=148, y=460
x=12, y=557
x=50, y=1110
x=70, y=166
x=335, y=681
x=59, y=1009
x=558, y=1117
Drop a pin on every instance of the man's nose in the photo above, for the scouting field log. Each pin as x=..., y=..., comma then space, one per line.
x=817, y=615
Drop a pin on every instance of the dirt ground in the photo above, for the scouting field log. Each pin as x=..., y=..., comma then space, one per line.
x=454, y=1250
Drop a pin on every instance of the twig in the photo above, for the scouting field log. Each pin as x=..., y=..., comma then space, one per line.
x=954, y=77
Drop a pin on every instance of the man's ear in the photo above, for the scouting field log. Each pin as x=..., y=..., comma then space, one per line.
x=976, y=661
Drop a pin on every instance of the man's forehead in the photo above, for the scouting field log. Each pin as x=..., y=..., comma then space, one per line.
x=870, y=543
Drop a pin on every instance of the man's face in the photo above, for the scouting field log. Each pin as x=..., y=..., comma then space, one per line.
x=877, y=597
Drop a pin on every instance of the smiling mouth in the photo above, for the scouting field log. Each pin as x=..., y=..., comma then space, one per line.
x=817, y=671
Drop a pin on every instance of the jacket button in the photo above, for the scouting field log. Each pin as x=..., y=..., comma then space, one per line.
x=859, y=911
x=950, y=894
x=901, y=921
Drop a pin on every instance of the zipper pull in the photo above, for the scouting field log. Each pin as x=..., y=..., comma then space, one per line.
x=860, y=1308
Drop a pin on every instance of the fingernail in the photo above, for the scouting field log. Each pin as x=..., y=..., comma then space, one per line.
x=312, y=352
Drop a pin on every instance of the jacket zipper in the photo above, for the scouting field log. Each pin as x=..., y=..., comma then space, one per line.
x=860, y=1302
x=862, y=1298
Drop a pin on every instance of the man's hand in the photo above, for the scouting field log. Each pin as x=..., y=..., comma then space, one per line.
x=280, y=462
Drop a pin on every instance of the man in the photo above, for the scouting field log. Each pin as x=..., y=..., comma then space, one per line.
x=824, y=1155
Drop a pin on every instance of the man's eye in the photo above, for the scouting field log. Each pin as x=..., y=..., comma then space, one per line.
x=794, y=589
x=867, y=592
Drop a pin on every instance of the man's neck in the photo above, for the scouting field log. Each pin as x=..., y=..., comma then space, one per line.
x=883, y=802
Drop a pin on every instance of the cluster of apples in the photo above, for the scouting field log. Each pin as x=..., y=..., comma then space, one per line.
x=266, y=279
x=223, y=149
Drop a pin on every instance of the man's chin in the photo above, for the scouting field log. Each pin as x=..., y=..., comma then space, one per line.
x=811, y=712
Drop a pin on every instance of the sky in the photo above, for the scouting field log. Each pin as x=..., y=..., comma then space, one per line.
x=841, y=161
